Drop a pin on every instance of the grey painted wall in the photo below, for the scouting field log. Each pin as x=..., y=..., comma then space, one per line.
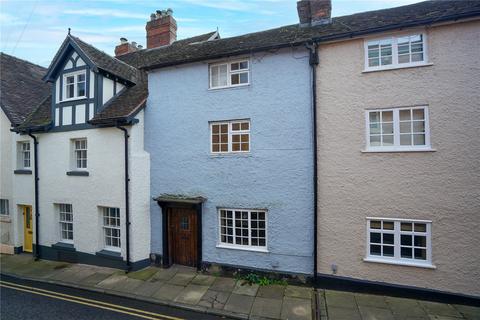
x=276, y=174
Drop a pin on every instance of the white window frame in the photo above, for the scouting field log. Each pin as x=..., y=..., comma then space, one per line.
x=106, y=210
x=4, y=207
x=230, y=134
x=395, y=64
x=76, y=153
x=229, y=74
x=62, y=209
x=396, y=131
x=248, y=247
x=23, y=152
x=75, y=85
x=397, y=259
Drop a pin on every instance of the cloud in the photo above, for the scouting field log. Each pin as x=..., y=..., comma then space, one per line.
x=97, y=12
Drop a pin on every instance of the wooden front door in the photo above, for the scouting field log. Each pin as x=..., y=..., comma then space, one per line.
x=182, y=236
x=27, y=229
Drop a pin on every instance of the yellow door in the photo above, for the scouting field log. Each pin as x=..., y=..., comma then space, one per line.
x=27, y=229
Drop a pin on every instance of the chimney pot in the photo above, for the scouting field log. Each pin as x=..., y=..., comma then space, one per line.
x=162, y=30
x=123, y=40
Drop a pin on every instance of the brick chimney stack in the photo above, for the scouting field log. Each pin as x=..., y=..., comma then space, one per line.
x=126, y=47
x=314, y=12
x=161, y=29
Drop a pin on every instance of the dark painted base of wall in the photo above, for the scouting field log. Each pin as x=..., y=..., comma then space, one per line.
x=66, y=254
x=17, y=250
x=372, y=287
x=230, y=270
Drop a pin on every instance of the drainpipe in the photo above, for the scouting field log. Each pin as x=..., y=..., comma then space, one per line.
x=37, y=207
x=127, y=203
x=313, y=61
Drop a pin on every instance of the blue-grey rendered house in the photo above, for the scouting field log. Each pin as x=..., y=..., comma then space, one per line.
x=228, y=126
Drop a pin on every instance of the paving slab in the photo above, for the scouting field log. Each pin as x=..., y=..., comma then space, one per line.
x=127, y=285
x=469, y=312
x=76, y=274
x=203, y=280
x=296, y=309
x=168, y=292
x=164, y=274
x=298, y=292
x=338, y=313
x=440, y=309
x=239, y=303
x=370, y=300
x=191, y=294
x=272, y=291
x=112, y=281
x=340, y=299
x=432, y=317
x=181, y=279
x=223, y=284
x=243, y=287
x=372, y=313
x=143, y=274
x=266, y=308
x=214, y=299
x=96, y=278
x=405, y=308
x=147, y=289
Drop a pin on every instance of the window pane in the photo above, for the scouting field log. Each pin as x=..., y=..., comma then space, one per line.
x=387, y=116
x=418, y=126
x=373, y=53
x=420, y=254
x=406, y=226
x=235, y=79
x=375, y=250
x=373, y=62
x=404, y=115
x=406, y=252
x=374, y=116
x=404, y=58
x=387, y=140
x=375, y=141
x=388, y=225
x=418, y=114
x=244, y=65
x=244, y=77
x=387, y=128
x=406, y=240
x=388, y=238
x=375, y=237
x=417, y=57
x=420, y=241
x=405, y=127
x=406, y=139
x=419, y=139
x=388, y=251
x=420, y=227
x=375, y=224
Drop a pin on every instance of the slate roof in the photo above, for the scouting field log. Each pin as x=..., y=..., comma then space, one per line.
x=422, y=13
x=21, y=87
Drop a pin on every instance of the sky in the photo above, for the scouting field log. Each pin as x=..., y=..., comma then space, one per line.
x=34, y=29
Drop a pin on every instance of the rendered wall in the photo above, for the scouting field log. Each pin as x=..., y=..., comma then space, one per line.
x=275, y=175
x=441, y=186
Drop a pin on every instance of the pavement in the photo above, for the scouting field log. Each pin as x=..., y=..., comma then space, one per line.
x=186, y=288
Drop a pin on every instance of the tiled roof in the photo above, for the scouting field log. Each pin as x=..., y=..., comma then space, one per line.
x=40, y=118
x=21, y=88
x=422, y=13
x=108, y=63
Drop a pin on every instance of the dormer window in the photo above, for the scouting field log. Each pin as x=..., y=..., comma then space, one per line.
x=74, y=85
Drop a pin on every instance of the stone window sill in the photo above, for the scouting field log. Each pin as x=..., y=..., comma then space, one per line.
x=64, y=246
x=78, y=173
x=22, y=171
x=113, y=255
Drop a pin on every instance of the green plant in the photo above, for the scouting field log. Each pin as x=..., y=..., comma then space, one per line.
x=253, y=278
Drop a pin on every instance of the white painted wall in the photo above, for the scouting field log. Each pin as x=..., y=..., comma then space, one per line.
x=6, y=175
x=103, y=187
x=107, y=89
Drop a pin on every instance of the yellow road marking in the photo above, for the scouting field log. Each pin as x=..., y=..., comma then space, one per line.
x=90, y=302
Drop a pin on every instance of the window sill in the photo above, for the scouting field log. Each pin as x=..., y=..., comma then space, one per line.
x=74, y=99
x=78, y=173
x=397, y=150
x=5, y=218
x=22, y=171
x=109, y=254
x=246, y=85
x=230, y=154
x=400, y=263
x=398, y=67
x=66, y=246
x=222, y=246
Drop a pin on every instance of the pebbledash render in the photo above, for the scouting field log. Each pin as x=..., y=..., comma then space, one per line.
x=399, y=157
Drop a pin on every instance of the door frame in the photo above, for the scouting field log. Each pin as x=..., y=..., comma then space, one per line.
x=165, y=204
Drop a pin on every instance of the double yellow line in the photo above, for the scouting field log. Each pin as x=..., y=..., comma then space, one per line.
x=88, y=302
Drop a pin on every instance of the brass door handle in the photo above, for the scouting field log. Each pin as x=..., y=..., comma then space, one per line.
x=30, y=232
